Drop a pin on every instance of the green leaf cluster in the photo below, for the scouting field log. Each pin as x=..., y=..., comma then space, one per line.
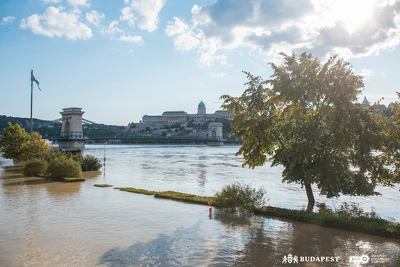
x=11, y=143
x=18, y=145
x=62, y=167
x=305, y=117
x=35, y=167
x=239, y=196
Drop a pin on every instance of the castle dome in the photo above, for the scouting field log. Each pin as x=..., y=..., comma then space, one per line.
x=201, y=105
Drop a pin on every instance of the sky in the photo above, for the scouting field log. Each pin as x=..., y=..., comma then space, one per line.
x=121, y=59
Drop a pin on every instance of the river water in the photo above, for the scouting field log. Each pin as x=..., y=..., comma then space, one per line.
x=76, y=224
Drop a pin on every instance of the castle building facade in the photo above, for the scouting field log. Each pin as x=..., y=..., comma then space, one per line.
x=172, y=117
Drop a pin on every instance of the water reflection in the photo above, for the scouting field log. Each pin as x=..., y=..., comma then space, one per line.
x=233, y=239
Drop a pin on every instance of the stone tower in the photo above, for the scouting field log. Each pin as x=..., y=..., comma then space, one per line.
x=71, y=137
x=215, y=134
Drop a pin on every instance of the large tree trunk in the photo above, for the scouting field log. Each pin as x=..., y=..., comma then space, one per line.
x=310, y=196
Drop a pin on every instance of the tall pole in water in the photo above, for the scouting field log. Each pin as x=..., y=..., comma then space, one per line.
x=105, y=142
x=31, y=100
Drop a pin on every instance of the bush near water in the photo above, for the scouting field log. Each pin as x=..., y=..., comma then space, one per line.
x=240, y=197
x=62, y=167
x=35, y=167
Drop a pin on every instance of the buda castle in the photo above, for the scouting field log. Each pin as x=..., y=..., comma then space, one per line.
x=172, y=117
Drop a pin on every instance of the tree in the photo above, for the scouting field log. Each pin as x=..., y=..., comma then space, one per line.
x=35, y=147
x=392, y=149
x=13, y=138
x=306, y=119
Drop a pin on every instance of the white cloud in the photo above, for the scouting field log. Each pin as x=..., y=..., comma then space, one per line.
x=54, y=22
x=185, y=38
x=191, y=38
x=94, y=17
x=7, y=19
x=75, y=10
x=78, y=2
x=127, y=15
x=322, y=27
x=112, y=28
x=51, y=1
x=131, y=39
x=218, y=74
x=366, y=73
x=177, y=27
x=143, y=13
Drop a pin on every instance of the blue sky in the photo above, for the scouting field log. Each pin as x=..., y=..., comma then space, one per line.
x=121, y=59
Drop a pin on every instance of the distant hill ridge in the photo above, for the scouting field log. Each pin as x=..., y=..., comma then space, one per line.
x=50, y=129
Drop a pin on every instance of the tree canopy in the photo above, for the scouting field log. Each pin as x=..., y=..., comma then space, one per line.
x=305, y=117
x=35, y=147
x=18, y=145
x=13, y=139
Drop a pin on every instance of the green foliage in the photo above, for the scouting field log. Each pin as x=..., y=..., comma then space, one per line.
x=90, y=163
x=306, y=119
x=61, y=167
x=35, y=167
x=102, y=185
x=87, y=163
x=362, y=224
x=13, y=139
x=239, y=196
x=35, y=147
x=392, y=148
x=177, y=196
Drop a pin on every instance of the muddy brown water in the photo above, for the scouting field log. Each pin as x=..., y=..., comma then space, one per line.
x=76, y=224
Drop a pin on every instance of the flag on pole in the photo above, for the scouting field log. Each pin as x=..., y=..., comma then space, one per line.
x=33, y=79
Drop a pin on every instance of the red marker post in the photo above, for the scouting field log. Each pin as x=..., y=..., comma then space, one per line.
x=210, y=209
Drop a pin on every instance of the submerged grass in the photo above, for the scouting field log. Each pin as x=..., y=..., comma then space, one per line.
x=368, y=225
x=103, y=185
x=178, y=196
x=71, y=180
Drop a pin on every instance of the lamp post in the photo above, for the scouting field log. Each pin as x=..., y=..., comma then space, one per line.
x=105, y=143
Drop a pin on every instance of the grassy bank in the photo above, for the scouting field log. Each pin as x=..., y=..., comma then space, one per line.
x=362, y=224
x=178, y=196
x=103, y=185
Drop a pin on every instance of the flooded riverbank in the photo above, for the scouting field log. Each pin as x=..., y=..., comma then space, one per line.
x=77, y=224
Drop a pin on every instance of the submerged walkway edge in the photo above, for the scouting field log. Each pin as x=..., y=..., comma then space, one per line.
x=362, y=224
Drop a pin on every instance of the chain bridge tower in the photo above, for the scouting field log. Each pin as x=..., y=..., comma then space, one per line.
x=71, y=137
x=215, y=137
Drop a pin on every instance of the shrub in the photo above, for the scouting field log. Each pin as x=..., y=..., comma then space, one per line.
x=76, y=157
x=53, y=154
x=241, y=197
x=90, y=163
x=35, y=167
x=62, y=167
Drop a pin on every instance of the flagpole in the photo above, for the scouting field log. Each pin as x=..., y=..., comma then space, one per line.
x=31, y=99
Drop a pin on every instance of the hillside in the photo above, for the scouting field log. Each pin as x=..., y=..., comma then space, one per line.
x=50, y=129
